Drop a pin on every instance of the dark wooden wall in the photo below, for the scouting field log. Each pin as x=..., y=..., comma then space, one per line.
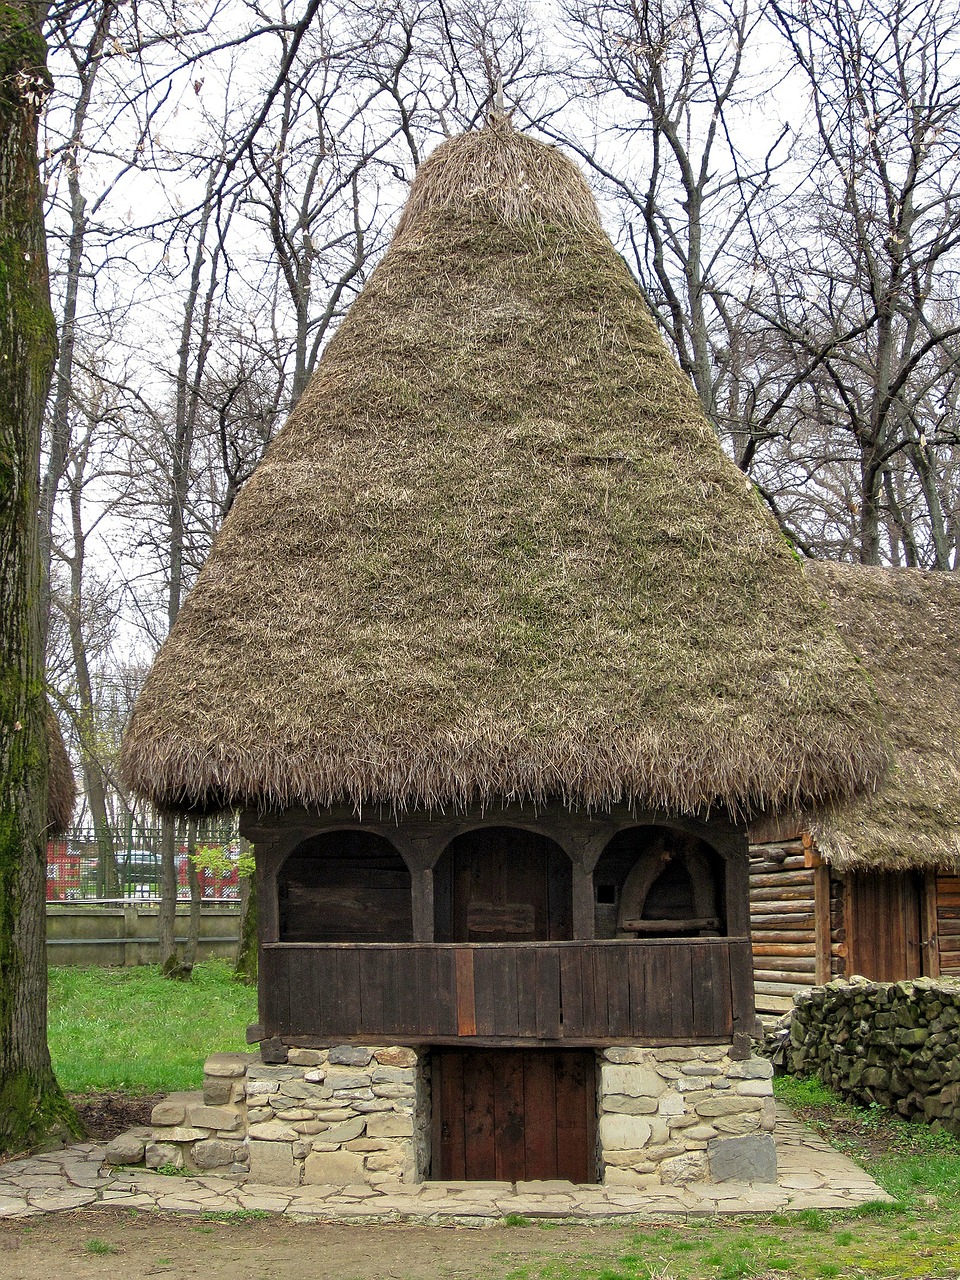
x=664, y=990
x=534, y=898
x=347, y=886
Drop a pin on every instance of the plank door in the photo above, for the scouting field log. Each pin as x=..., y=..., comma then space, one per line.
x=884, y=922
x=512, y=1115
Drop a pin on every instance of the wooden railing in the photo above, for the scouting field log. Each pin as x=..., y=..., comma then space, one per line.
x=547, y=993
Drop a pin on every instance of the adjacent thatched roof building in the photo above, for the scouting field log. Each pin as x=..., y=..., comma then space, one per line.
x=61, y=784
x=905, y=626
x=497, y=552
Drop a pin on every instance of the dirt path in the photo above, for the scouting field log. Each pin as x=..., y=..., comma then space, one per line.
x=58, y=1247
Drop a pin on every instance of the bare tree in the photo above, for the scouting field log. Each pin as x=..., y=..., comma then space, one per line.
x=867, y=270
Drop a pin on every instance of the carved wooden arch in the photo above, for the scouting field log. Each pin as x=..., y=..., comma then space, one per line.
x=705, y=869
x=355, y=887
x=503, y=881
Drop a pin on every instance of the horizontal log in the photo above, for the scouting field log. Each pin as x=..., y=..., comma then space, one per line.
x=778, y=894
x=762, y=857
x=762, y=880
x=773, y=1004
x=793, y=912
x=776, y=988
x=802, y=937
x=791, y=964
x=784, y=920
x=779, y=949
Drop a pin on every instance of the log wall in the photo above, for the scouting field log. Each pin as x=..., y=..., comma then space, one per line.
x=948, y=924
x=783, y=914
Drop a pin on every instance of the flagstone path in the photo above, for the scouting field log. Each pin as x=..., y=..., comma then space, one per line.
x=812, y=1175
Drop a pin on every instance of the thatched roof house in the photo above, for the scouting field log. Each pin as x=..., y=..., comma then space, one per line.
x=872, y=886
x=497, y=551
x=61, y=784
x=904, y=625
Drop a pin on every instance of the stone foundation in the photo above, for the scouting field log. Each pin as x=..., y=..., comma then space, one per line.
x=359, y=1115
x=686, y=1114
x=344, y=1116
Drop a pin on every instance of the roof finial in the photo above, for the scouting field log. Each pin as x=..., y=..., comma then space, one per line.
x=498, y=97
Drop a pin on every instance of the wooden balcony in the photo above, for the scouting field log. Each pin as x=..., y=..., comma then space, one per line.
x=653, y=991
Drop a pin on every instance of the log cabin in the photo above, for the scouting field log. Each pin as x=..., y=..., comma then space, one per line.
x=497, y=653
x=872, y=887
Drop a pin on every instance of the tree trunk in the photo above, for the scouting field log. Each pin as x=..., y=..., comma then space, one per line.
x=245, y=969
x=196, y=901
x=170, y=963
x=32, y=1106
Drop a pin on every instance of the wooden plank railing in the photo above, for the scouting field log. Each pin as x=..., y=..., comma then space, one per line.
x=673, y=990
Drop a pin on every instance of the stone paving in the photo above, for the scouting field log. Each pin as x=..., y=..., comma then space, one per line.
x=812, y=1175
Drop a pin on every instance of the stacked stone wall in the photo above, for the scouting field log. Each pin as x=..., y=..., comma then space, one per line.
x=685, y=1114
x=891, y=1043
x=344, y=1116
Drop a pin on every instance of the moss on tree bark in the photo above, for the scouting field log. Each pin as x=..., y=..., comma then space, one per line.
x=31, y=1103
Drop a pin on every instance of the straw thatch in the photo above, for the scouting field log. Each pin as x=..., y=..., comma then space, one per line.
x=497, y=552
x=61, y=784
x=904, y=624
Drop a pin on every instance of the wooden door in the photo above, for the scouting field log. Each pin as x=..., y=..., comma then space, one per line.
x=884, y=922
x=512, y=1115
x=503, y=884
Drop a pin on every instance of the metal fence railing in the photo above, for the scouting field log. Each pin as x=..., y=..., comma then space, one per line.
x=88, y=864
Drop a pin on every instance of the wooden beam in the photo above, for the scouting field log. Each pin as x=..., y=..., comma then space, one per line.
x=583, y=913
x=421, y=885
x=930, y=941
x=821, y=910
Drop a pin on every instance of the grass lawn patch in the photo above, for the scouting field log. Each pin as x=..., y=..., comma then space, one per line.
x=133, y=1030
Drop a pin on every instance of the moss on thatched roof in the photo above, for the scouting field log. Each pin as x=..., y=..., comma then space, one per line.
x=904, y=625
x=497, y=552
x=61, y=785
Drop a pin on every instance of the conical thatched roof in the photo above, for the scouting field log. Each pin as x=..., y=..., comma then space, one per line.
x=497, y=552
x=904, y=624
x=61, y=785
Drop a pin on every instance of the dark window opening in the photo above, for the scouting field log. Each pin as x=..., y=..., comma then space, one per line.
x=345, y=886
x=606, y=894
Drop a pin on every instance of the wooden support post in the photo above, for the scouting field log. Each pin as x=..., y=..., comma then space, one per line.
x=930, y=941
x=422, y=888
x=821, y=921
x=584, y=925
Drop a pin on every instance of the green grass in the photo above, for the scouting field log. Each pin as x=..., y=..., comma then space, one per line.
x=99, y=1247
x=134, y=1030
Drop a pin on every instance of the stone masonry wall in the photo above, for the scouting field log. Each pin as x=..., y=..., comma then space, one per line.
x=360, y=1114
x=342, y=1116
x=685, y=1114
x=892, y=1043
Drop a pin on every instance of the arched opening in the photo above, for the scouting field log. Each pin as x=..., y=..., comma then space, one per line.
x=657, y=882
x=345, y=886
x=503, y=884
